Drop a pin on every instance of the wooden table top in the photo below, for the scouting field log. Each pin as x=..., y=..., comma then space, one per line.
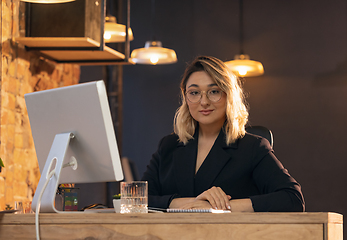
x=173, y=218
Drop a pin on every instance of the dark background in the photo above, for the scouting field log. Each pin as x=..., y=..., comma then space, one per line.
x=301, y=97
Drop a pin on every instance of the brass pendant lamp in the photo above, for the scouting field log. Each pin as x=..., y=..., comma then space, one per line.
x=242, y=66
x=153, y=53
x=115, y=32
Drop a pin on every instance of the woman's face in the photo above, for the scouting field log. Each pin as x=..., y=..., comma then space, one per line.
x=206, y=112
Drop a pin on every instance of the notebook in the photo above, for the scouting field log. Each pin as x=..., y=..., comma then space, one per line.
x=194, y=210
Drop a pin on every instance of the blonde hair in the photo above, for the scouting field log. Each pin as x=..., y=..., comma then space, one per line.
x=236, y=109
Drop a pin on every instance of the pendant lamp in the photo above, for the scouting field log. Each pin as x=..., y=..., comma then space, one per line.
x=47, y=1
x=242, y=66
x=153, y=52
x=115, y=32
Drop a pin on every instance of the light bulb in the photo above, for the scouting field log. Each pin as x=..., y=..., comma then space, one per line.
x=107, y=36
x=242, y=70
x=154, y=59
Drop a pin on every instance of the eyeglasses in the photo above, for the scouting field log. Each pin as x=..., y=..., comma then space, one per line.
x=214, y=95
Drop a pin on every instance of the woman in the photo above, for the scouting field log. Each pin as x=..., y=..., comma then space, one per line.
x=210, y=161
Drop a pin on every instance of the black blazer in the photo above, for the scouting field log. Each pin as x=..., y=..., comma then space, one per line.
x=247, y=168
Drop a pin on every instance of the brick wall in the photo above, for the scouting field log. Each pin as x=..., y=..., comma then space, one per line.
x=22, y=72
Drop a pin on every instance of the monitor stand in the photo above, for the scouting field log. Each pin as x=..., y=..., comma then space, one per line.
x=47, y=188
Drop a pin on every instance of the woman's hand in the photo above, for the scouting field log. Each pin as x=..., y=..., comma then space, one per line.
x=200, y=204
x=189, y=203
x=216, y=198
x=180, y=202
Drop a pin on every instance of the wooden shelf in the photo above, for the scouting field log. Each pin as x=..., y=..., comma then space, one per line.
x=80, y=50
x=58, y=42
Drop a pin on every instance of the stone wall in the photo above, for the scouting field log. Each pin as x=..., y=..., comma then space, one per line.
x=22, y=72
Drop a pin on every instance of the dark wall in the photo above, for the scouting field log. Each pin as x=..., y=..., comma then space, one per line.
x=301, y=97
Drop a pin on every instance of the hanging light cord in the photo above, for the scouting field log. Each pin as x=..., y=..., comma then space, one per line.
x=241, y=26
x=153, y=20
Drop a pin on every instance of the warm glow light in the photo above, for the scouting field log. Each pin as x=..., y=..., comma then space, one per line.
x=47, y=1
x=242, y=66
x=107, y=36
x=154, y=59
x=242, y=70
x=153, y=53
x=115, y=32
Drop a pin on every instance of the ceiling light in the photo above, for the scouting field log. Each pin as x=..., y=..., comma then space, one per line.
x=115, y=32
x=153, y=53
x=242, y=66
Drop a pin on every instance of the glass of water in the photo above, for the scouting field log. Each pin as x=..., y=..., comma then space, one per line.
x=134, y=197
x=18, y=205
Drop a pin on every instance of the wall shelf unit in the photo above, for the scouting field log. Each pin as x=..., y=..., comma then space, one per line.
x=76, y=36
x=82, y=51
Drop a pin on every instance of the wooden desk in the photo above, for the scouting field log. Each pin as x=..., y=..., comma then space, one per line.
x=155, y=226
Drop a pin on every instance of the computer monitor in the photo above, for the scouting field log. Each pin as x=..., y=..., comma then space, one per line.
x=74, y=136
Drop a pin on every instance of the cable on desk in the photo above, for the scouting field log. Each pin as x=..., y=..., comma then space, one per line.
x=38, y=205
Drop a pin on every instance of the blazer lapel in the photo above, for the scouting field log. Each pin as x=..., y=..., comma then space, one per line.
x=184, y=166
x=213, y=164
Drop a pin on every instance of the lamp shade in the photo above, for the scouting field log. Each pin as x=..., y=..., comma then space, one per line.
x=153, y=53
x=242, y=66
x=115, y=32
x=47, y=1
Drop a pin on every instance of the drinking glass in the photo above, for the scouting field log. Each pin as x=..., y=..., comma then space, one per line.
x=18, y=205
x=134, y=197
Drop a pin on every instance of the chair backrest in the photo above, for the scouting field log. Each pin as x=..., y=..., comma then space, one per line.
x=129, y=170
x=262, y=132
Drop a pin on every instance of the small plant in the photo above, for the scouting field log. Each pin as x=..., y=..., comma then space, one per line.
x=1, y=164
x=116, y=196
x=8, y=207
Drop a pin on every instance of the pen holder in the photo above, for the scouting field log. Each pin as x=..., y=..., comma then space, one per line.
x=66, y=199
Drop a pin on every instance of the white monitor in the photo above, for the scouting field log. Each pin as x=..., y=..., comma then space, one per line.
x=74, y=136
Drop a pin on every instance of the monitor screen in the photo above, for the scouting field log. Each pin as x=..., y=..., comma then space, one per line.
x=82, y=111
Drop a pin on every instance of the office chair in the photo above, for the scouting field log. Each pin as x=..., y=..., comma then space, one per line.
x=262, y=132
x=129, y=170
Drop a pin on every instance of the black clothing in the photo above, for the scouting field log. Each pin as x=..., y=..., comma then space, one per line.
x=247, y=168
